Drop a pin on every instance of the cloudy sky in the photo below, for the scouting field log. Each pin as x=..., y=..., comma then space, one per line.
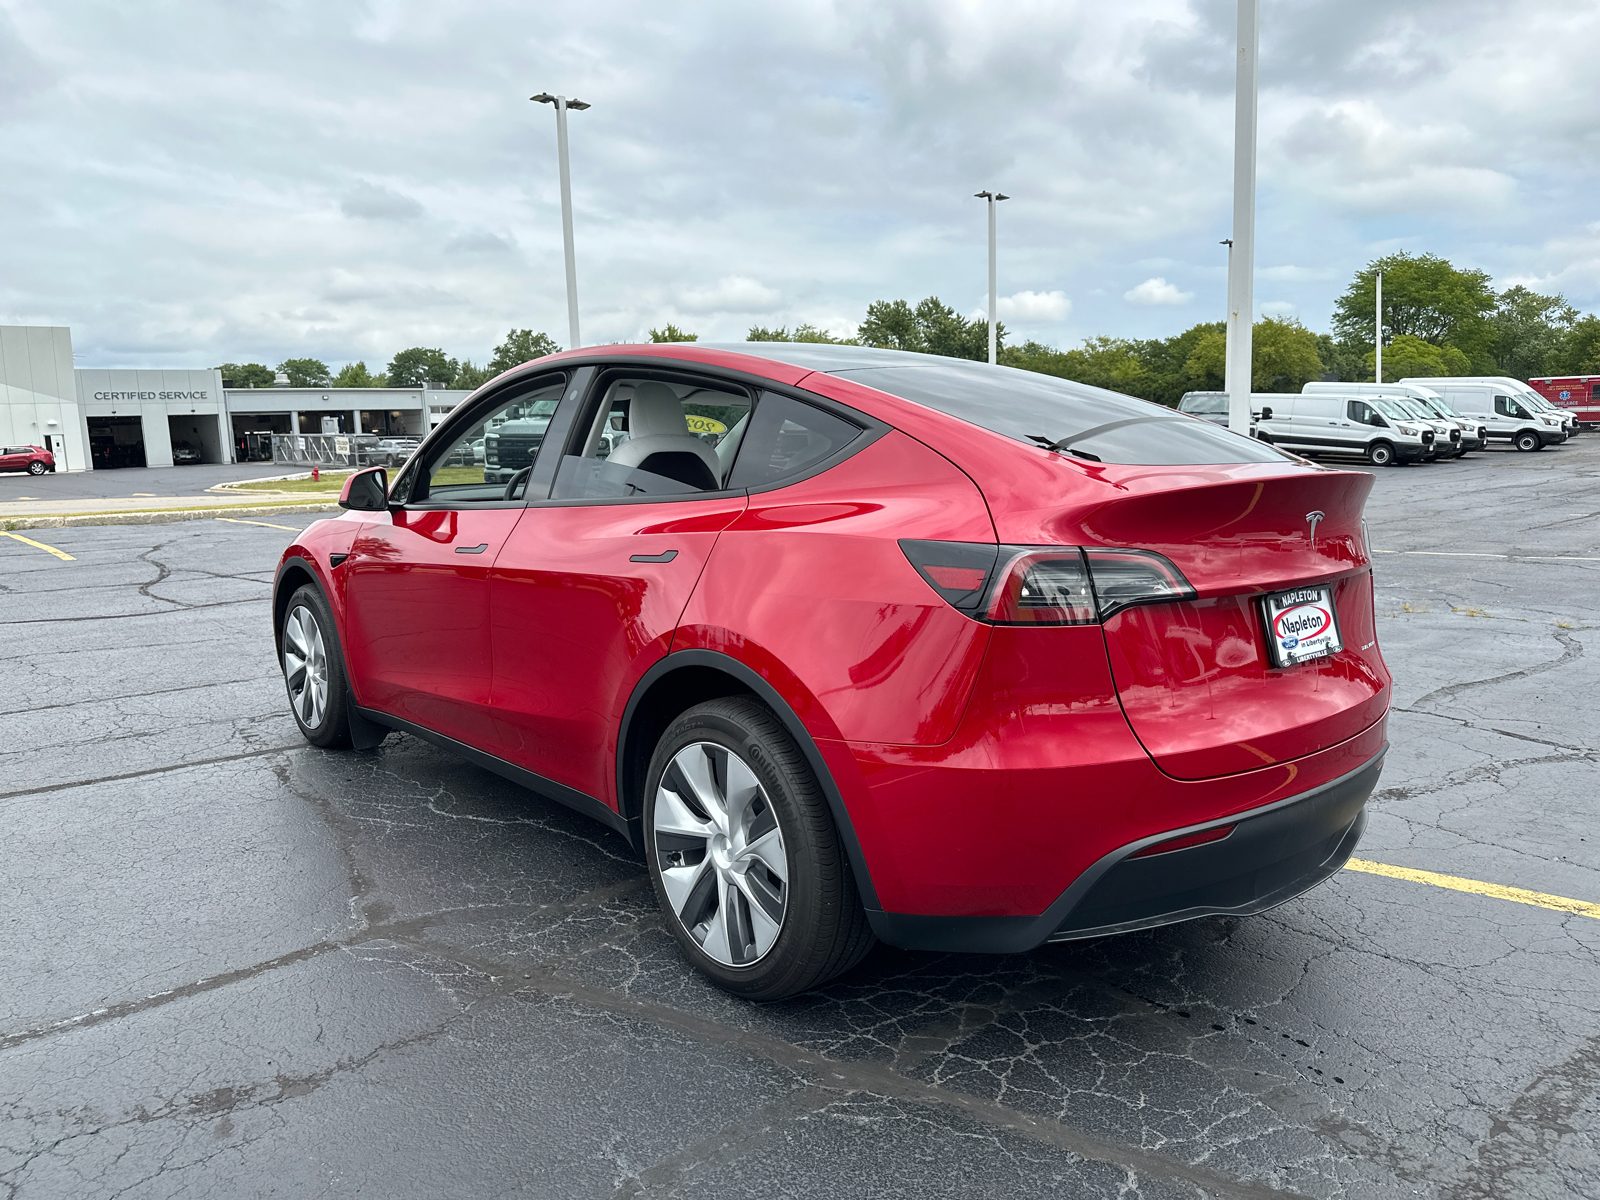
x=192, y=183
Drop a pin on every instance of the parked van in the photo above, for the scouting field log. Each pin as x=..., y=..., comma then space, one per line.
x=1576, y=394
x=1474, y=436
x=1375, y=428
x=1503, y=407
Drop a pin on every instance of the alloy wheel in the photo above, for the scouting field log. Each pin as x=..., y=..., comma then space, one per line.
x=305, y=666
x=721, y=854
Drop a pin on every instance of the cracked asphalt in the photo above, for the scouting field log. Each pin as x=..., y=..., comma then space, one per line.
x=235, y=965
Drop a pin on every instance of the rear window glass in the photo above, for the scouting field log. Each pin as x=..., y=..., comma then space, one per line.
x=1030, y=407
x=787, y=437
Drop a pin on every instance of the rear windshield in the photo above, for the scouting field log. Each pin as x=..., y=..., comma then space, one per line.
x=1204, y=402
x=1041, y=409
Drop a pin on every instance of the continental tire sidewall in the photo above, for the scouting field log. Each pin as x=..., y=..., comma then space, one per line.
x=334, y=730
x=816, y=863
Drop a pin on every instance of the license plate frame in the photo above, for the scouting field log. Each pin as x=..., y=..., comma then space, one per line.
x=1288, y=615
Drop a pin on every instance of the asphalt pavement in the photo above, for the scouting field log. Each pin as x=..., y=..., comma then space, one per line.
x=236, y=965
x=131, y=482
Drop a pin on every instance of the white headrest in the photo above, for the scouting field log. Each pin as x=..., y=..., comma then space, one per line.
x=656, y=411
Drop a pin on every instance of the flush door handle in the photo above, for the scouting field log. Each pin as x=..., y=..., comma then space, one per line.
x=664, y=556
x=472, y=549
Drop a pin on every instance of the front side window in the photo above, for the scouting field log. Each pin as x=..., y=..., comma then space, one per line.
x=490, y=459
x=647, y=437
x=1507, y=407
x=1363, y=413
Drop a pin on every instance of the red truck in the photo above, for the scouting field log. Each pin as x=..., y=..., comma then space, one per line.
x=1579, y=393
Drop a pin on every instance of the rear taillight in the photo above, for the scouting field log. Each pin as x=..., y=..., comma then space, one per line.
x=1045, y=585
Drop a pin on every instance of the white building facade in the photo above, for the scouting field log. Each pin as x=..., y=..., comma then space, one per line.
x=39, y=394
x=135, y=418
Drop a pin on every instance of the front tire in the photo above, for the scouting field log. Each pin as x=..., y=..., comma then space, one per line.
x=1380, y=454
x=747, y=865
x=1527, y=440
x=313, y=670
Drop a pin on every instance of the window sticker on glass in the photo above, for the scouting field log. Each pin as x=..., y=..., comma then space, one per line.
x=1301, y=625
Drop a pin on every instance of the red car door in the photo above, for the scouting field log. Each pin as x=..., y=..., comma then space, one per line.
x=591, y=584
x=417, y=578
x=14, y=458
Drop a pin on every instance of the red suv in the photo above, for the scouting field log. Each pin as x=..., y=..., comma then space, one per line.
x=35, y=460
x=860, y=644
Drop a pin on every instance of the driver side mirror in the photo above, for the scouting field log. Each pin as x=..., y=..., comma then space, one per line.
x=1266, y=414
x=366, y=491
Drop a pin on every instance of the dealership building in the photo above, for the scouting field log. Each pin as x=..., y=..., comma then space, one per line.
x=104, y=418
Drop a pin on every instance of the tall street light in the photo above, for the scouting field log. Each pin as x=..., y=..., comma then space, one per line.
x=1377, y=332
x=1242, y=254
x=994, y=346
x=562, y=105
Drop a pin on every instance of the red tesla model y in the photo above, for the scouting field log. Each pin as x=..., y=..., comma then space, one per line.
x=855, y=644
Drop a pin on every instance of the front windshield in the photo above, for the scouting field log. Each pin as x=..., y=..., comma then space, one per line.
x=1533, y=398
x=1416, y=408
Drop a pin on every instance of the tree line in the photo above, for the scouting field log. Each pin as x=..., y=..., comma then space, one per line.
x=414, y=367
x=1438, y=319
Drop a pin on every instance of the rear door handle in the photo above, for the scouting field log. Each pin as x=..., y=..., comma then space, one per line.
x=472, y=549
x=664, y=556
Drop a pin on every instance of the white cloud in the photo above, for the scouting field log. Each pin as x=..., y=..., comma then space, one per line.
x=1277, y=308
x=731, y=294
x=1157, y=291
x=373, y=202
x=1035, y=307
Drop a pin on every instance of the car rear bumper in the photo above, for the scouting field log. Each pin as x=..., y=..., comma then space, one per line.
x=1273, y=854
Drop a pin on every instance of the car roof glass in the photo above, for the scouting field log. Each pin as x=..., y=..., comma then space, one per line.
x=1030, y=407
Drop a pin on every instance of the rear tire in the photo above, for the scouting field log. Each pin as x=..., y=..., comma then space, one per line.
x=1528, y=440
x=748, y=868
x=1380, y=454
x=36, y=467
x=313, y=670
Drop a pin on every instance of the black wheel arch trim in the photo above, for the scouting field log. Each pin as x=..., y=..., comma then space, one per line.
x=548, y=788
x=1015, y=935
x=769, y=696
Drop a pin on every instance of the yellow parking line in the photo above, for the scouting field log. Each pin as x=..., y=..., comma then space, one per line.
x=1582, y=908
x=266, y=524
x=61, y=554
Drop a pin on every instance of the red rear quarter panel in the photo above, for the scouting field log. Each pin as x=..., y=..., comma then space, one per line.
x=811, y=577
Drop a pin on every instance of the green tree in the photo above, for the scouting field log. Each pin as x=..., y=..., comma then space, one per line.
x=671, y=333
x=418, y=365
x=1207, y=364
x=305, y=372
x=246, y=375
x=1106, y=362
x=805, y=332
x=932, y=327
x=356, y=375
x=520, y=346
x=1406, y=356
x=1283, y=356
x=1579, y=351
x=1526, y=331
x=1343, y=361
x=1424, y=296
x=471, y=378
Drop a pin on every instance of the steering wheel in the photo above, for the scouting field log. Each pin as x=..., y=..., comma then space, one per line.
x=519, y=480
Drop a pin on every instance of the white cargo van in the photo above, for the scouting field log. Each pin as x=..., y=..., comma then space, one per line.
x=1376, y=428
x=1499, y=405
x=1473, y=434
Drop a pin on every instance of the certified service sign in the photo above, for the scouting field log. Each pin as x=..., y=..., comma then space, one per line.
x=1301, y=625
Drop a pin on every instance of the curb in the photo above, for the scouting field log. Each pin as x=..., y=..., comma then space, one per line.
x=160, y=516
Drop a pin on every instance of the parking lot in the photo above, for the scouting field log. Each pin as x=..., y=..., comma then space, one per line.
x=240, y=966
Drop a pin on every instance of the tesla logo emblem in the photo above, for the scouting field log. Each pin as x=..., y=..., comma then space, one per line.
x=1312, y=517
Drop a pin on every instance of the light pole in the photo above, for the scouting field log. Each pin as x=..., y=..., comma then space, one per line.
x=1377, y=332
x=562, y=105
x=994, y=344
x=1241, y=255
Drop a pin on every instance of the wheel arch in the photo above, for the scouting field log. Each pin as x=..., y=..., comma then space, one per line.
x=293, y=573
x=689, y=677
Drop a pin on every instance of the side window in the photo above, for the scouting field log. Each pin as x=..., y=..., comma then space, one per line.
x=1361, y=412
x=1505, y=406
x=651, y=438
x=491, y=459
x=786, y=437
